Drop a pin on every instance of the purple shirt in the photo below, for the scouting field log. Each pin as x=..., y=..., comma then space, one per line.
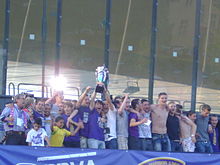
x=71, y=138
x=215, y=147
x=133, y=131
x=96, y=127
x=84, y=116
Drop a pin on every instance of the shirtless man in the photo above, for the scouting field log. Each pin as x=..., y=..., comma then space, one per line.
x=187, y=130
x=159, y=114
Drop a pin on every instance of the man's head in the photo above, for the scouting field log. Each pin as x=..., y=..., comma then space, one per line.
x=68, y=108
x=145, y=105
x=128, y=103
x=214, y=120
x=47, y=110
x=20, y=100
x=40, y=106
x=162, y=98
x=205, y=110
x=59, y=97
x=99, y=105
x=135, y=104
x=86, y=101
x=191, y=115
x=172, y=107
x=117, y=101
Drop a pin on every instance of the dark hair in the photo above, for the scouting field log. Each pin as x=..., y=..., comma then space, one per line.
x=49, y=105
x=18, y=96
x=38, y=121
x=178, y=106
x=116, y=98
x=205, y=106
x=134, y=103
x=162, y=93
x=144, y=100
x=213, y=115
x=58, y=118
x=39, y=100
x=190, y=113
x=100, y=102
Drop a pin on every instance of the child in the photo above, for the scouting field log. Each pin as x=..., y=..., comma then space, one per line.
x=59, y=133
x=37, y=135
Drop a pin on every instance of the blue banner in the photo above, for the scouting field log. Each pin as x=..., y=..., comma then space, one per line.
x=24, y=155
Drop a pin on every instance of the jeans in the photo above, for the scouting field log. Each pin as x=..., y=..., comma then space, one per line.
x=146, y=144
x=83, y=142
x=204, y=146
x=176, y=146
x=96, y=144
x=134, y=143
x=161, y=142
x=112, y=144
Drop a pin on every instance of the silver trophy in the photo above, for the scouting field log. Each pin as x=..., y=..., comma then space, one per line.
x=102, y=77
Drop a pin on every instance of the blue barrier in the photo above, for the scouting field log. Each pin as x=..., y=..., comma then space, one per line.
x=24, y=155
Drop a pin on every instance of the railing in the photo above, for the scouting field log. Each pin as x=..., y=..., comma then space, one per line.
x=13, y=88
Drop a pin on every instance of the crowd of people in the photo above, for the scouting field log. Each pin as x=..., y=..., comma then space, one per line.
x=119, y=123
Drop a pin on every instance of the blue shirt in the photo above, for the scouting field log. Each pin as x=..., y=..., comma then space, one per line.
x=71, y=138
x=20, y=119
x=84, y=116
x=96, y=126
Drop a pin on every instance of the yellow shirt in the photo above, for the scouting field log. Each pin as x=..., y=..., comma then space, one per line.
x=57, y=136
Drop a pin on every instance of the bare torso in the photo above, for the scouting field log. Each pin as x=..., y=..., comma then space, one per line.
x=159, y=119
x=185, y=128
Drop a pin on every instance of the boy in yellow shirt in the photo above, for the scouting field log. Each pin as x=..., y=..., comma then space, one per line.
x=58, y=132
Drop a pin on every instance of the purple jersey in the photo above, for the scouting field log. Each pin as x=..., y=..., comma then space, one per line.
x=96, y=127
x=84, y=116
x=71, y=138
x=133, y=131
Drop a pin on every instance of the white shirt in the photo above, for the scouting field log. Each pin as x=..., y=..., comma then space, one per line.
x=111, y=123
x=36, y=138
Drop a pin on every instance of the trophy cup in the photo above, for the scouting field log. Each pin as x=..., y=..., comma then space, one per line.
x=102, y=77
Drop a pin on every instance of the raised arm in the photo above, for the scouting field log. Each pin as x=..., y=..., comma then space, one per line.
x=108, y=99
x=82, y=97
x=122, y=107
x=52, y=99
x=92, y=101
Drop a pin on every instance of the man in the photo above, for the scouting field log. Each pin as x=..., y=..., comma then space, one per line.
x=15, y=122
x=96, y=122
x=159, y=114
x=134, y=121
x=145, y=135
x=84, y=107
x=111, y=139
x=47, y=119
x=214, y=133
x=173, y=128
x=203, y=143
x=187, y=130
x=122, y=123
